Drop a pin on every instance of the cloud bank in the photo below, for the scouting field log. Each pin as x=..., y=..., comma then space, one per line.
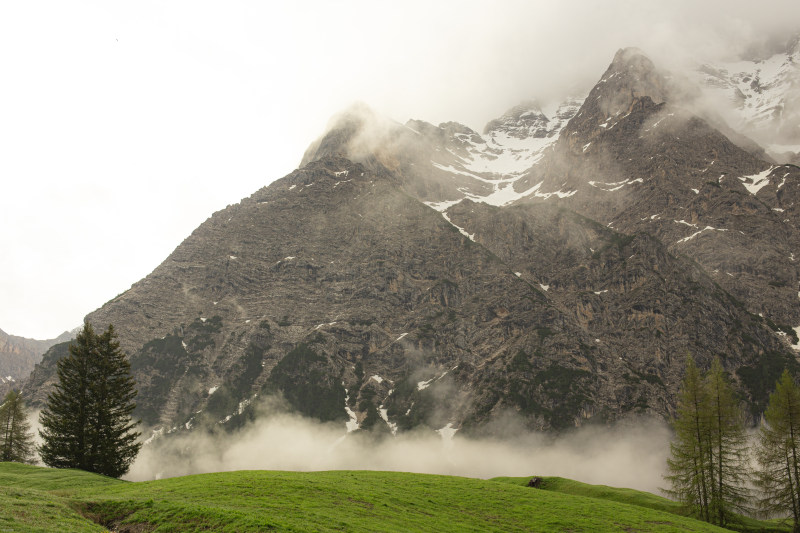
x=631, y=454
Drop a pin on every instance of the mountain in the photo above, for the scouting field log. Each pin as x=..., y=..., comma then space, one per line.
x=19, y=355
x=556, y=267
x=450, y=161
x=762, y=96
x=642, y=165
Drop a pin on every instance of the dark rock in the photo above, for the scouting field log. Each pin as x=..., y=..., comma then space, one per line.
x=535, y=482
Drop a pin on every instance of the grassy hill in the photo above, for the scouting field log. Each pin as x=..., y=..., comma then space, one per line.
x=43, y=499
x=638, y=498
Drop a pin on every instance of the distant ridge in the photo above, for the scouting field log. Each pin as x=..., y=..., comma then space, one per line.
x=19, y=355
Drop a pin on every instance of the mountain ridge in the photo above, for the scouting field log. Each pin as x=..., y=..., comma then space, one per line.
x=19, y=355
x=383, y=287
x=762, y=95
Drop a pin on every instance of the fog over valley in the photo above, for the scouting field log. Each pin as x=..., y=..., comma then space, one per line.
x=631, y=454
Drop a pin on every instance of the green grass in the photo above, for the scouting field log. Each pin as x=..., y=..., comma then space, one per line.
x=41, y=499
x=38, y=499
x=638, y=498
x=576, y=488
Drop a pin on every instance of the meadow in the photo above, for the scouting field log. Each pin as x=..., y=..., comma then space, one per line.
x=34, y=499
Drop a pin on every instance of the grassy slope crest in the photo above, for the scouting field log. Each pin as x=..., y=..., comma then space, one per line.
x=42, y=499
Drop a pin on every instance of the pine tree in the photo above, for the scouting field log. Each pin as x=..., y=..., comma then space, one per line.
x=689, y=473
x=778, y=452
x=86, y=423
x=16, y=441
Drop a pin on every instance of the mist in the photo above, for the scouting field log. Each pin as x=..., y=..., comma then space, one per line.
x=470, y=61
x=630, y=454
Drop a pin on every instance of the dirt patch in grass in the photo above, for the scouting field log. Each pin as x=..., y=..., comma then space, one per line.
x=112, y=517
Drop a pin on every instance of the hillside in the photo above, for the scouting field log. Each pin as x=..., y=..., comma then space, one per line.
x=39, y=499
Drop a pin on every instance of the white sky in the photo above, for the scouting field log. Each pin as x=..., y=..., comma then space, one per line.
x=124, y=125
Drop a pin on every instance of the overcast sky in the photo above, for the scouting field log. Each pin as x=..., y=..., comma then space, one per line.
x=124, y=125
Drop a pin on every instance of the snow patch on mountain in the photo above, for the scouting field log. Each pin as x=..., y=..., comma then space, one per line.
x=509, y=147
x=696, y=233
x=157, y=433
x=762, y=97
x=756, y=182
x=517, y=140
x=797, y=331
x=384, y=414
x=462, y=231
x=614, y=186
x=352, y=423
x=422, y=385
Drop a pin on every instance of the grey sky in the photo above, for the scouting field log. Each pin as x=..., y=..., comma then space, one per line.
x=124, y=125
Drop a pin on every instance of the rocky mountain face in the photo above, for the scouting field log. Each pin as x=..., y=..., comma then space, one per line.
x=19, y=355
x=645, y=166
x=557, y=267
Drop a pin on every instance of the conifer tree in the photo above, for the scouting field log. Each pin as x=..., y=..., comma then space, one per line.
x=727, y=449
x=113, y=437
x=86, y=423
x=16, y=441
x=778, y=452
x=709, y=452
x=689, y=473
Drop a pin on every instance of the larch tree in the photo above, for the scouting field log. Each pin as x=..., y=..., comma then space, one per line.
x=727, y=448
x=688, y=468
x=86, y=423
x=778, y=453
x=16, y=440
x=709, y=452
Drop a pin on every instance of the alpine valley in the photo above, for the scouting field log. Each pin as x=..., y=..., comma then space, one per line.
x=557, y=266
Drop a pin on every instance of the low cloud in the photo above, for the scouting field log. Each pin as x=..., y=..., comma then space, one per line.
x=630, y=454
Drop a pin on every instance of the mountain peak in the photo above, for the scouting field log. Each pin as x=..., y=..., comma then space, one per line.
x=631, y=77
x=631, y=56
x=635, y=75
x=523, y=109
x=793, y=46
x=354, y=131
x=521, y=121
